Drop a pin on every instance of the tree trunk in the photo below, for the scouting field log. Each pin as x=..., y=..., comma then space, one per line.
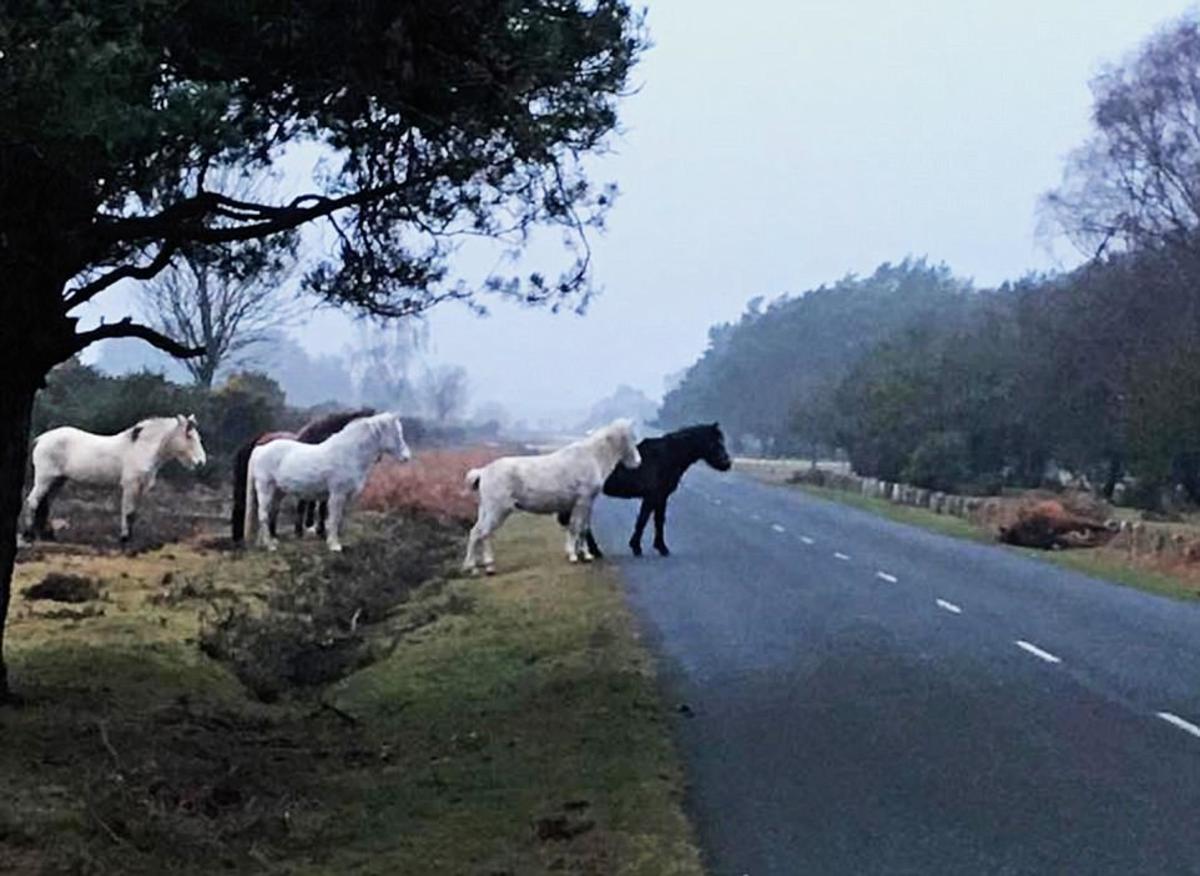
x=16, y=411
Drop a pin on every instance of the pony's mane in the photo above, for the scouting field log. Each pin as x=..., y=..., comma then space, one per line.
x=151, y=426
x=321, y=428
x=694, y=431
x=624, y=424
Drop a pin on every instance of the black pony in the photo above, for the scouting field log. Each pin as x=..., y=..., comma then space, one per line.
x=664, y=460
x=312, y=433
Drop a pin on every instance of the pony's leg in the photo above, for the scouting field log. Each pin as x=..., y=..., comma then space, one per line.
x=580, y=514
x=130, y=492
x=635, y=541
x=273, y=521
x=585, y=531
x=337, y=507
x=660, y=522
x=479, y=542
x=592, y=546
x=268, y=508
x=322, y=517
x=489, y=557
x=302, y=511
x=38, y=506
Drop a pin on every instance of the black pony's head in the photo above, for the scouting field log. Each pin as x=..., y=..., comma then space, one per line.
x=710, y=446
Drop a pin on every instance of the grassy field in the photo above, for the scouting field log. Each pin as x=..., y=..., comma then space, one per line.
x=1106, y=563
x=506, y=725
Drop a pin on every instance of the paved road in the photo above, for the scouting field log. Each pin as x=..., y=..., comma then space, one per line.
x=873, y=698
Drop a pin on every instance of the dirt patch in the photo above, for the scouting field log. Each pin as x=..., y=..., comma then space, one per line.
x=61, y=587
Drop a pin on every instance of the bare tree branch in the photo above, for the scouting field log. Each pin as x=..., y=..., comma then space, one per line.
x=126, y=272
x=127, y=328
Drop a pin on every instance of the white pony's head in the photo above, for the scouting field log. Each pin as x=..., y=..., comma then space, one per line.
x=391, y=437
x=621, y=436
x=183, y=442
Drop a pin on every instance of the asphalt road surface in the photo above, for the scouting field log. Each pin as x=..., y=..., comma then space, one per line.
x=866, y=697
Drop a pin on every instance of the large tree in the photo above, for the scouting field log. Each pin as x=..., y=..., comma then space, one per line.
x=1136, y=180
x=442, y=120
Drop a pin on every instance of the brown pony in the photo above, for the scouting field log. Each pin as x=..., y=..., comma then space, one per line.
x=312, y=433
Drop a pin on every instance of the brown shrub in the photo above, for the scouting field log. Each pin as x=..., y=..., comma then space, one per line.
x=432, y=482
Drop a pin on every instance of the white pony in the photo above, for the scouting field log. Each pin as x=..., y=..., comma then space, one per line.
x=131, y=458
x=567, y=480
x=335, y=470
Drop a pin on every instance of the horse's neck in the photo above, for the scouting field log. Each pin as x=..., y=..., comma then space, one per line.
x=682, y=455
x=363, y=449
x=153, y=455
x=607, y=455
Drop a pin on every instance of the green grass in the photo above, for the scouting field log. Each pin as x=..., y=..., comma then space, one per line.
x=943, y=523
x=529, y=707
x=1098, y=563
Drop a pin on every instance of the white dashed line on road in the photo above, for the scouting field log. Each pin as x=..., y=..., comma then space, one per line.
x=1185, y=726
x=1037, y=652
x=840, y=555
x=948, y=606
x=884, y=576
x=806, y=539
x=777, y=527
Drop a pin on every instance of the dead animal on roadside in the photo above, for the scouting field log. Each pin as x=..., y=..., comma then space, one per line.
x=1048, y=525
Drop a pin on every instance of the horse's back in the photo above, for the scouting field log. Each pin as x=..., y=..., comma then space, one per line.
x=77, y=454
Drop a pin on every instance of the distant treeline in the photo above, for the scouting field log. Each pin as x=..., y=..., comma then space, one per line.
x=918, y=377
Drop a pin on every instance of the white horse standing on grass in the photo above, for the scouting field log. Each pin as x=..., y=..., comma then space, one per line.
x=335, y=470
x=567, y=480
x=131, y=458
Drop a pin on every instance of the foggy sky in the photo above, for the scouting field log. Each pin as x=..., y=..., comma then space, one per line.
x=778, y=144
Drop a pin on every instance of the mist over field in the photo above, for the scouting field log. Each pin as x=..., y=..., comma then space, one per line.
x=808, y=142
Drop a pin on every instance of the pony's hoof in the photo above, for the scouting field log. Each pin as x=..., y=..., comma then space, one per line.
x=663, y=550
x=571, y=558
x=637, y=549
x=489, y=570
x=585, y=558
x=335, y=548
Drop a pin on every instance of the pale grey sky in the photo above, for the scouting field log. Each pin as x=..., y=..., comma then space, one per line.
x=778, y=144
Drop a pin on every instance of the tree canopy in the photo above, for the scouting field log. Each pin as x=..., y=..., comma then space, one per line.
x=438, y=122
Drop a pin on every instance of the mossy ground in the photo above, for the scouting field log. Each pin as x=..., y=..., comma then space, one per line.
x=507, y=725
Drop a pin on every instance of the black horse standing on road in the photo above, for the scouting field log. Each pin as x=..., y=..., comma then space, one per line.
x=664, y=460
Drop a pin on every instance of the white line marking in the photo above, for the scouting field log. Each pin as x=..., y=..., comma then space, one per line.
x=806, y=539
x=1183, y=725
x=756, y=517
x=716, y=501
x=840, y=555
x=884, y=576
x=1037, y=652
x=777, y=527
x=949, y=606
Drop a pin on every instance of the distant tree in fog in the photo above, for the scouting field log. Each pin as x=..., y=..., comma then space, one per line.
x=444, y=390
x=224, y=301
x=382, y=359
x=1136, y=181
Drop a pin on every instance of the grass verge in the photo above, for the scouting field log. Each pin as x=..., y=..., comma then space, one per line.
x=506, y=725
x=1109, y=564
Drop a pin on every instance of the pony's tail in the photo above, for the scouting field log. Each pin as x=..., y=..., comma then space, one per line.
x=241, y=462
x=251, y=498
x=472, y=478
